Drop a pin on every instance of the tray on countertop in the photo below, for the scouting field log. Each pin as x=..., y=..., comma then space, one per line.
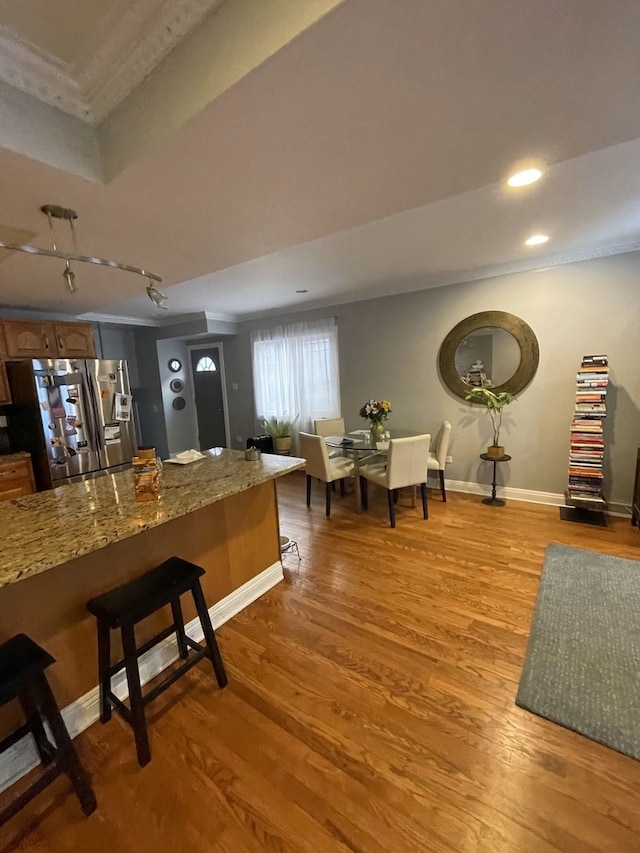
x=186, y=457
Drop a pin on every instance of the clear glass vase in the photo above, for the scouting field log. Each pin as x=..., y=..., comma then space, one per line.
x=377, y=431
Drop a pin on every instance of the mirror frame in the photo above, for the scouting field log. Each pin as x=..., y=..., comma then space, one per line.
x=521, y=331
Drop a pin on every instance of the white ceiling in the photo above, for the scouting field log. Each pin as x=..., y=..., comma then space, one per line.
x=366, y=157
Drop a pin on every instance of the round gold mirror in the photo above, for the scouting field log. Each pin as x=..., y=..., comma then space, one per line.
x=490, y=348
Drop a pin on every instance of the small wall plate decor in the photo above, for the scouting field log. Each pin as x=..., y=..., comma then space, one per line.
x=176, y=385
x=179, y=403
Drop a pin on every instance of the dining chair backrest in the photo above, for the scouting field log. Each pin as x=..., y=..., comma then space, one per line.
x=314, y=450
x=329, y=426
x=442, y=444
x=407, y=461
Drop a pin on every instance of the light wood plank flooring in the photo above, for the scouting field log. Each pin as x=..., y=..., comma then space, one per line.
x=370, y=706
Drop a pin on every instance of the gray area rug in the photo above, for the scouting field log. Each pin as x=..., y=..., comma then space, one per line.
x=582, y=668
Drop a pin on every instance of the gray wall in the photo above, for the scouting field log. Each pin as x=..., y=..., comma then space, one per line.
x=389, y=348
x=171, y=430
x=113, y=341
x=239, y=378
x=119, y=342
x=181, y=424
x=148, y=394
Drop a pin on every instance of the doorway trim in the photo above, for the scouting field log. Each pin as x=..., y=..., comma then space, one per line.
x=223, y=382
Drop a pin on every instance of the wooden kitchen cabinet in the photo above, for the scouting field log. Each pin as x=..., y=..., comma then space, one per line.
x=33, y=339
x=29, y=339
x=74, y=340
x=16, y=476
x=5, y=393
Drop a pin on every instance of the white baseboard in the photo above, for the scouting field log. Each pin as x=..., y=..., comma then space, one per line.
x=79, y=715
x=527, y=495
x=507, y=492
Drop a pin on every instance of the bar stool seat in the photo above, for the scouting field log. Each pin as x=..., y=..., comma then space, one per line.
x=126, y=605
x=22, y=666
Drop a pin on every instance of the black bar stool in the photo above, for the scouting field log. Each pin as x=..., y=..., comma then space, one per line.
x=125, y=606
x=22, y=666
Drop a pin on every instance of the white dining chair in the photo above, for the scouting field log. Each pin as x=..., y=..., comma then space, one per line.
x=329, y=426
x=320, y=466
x=405, y=465
x=438, y=457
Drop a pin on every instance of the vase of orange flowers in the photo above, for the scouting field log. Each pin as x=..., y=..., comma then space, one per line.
x=376, y=412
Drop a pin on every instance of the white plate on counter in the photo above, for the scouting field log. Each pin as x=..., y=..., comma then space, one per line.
x=186, y=457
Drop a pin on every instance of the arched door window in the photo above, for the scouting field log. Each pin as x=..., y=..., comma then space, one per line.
x=205, y=365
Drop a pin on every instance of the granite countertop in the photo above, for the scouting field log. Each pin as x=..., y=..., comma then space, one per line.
x=8, y=458
x=103, y=511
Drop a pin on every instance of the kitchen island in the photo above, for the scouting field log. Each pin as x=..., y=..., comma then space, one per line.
x=60, y=548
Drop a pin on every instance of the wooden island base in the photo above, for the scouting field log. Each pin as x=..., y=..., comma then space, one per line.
x=235, y=540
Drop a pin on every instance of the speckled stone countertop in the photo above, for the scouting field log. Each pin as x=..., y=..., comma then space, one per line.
x=104, y=510
x=8, y=458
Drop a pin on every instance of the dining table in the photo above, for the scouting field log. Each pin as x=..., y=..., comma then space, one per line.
x=360, y=446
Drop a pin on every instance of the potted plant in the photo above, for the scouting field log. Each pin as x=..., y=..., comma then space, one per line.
x=280, y=430
x=494, y=402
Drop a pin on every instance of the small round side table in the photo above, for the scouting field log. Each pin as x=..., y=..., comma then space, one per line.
x=493, y=500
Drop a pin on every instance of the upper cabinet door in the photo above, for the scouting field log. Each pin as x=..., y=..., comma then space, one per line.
x=26, y=339
x=5, y=394
x=75, y=340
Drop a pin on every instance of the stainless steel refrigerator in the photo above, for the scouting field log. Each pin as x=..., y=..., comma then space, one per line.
x=73, y=415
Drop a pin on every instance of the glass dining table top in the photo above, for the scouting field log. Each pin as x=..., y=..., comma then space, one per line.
x=360, y=441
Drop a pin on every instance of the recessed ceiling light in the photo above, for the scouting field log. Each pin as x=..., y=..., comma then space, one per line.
x=302, y=291
x=536, y=240
x=522, y=179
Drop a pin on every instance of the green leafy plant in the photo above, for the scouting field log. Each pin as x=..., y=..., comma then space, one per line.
x=278, y=427
x=494, y=403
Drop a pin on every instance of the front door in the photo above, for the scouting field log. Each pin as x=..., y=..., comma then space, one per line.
x=206, y=368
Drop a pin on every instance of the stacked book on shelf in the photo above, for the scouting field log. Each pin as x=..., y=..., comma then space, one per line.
x=586, y=455
x=476, y=376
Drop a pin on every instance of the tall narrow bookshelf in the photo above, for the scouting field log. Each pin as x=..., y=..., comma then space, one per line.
x=584, y=494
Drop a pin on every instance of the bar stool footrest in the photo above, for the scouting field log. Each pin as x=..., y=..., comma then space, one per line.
x=176, y=673
x=32, y=791
x=162, y=635
x=15, y=736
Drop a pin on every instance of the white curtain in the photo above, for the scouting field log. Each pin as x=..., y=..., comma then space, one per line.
x=295, y=372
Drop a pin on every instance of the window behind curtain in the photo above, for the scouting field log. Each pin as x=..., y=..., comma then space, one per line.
x=295, y=371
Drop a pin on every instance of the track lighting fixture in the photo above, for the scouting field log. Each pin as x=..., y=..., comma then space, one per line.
x=54, y=211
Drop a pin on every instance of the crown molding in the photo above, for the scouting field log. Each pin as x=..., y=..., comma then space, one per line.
x=223, y=318
x=142, y=37
x=118, y=319
x=381, y=291
x=143, y=33
x=530, y=265
x=30, y=69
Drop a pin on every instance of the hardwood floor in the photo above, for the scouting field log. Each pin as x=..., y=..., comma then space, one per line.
x=370, y=706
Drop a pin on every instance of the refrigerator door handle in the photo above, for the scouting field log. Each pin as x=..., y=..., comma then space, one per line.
x=95, y=409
